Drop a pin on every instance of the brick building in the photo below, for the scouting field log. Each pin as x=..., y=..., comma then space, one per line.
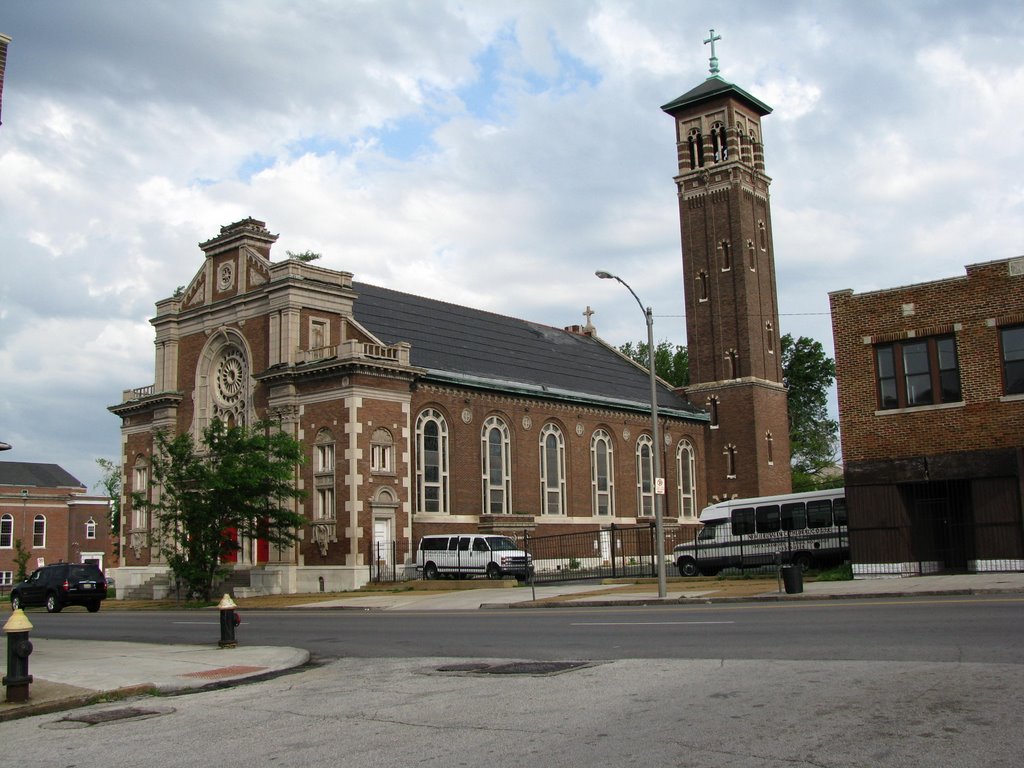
x=931, y=412
x=423, y=417
x=52, y=515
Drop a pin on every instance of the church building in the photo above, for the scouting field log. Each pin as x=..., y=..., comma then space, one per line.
x=422, y=417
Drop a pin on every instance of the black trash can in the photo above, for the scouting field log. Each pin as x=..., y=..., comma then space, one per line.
x=793, y=579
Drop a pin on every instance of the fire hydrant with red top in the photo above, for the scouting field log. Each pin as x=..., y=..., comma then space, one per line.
x=228, y=621
x=19, y=648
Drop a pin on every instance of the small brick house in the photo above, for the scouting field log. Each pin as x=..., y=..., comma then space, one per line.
x=53, y=516
x=931, y=412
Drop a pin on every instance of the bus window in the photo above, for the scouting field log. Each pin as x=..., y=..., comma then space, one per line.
x=819, y=514
x=742, y=521
x=839, y=510
x=768, y=519
x=709, y=531
x=794, y=517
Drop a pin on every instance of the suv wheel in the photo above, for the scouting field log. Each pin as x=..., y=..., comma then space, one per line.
x=93, y=606
x=53, y=604
x=15, y=601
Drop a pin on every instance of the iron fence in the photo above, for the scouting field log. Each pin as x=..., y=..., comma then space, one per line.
x=386, y=561
x=610, y=553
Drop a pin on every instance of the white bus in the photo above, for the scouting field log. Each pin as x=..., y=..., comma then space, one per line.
x=804, y=529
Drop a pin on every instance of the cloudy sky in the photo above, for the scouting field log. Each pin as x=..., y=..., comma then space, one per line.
x=487, y=153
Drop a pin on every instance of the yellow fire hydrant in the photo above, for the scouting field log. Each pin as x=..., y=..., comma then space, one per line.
x=19, y=648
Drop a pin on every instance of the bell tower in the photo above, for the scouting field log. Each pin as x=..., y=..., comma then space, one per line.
x=732, y=315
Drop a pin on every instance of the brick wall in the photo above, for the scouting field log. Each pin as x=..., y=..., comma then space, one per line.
x=967, y=306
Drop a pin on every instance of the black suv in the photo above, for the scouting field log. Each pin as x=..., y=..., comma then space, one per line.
x=61, y=584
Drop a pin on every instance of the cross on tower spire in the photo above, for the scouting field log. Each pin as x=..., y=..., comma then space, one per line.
x=713, y=61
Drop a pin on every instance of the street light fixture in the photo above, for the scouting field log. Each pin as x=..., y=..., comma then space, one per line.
x=659, y=498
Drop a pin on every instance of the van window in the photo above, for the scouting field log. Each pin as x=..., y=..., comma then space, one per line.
x=839, y=510
x=742, y=521
x=453, y=543
x=500, y=543
x=464, y=544
x=819, y=514
x=709, y=531
x=794, y=516
x=431, y=545
x=479, y=545
x=768, y=519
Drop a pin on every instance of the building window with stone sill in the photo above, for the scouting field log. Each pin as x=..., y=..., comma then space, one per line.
x=382, y=448
x=1011, y=340
x=325, y=504
x=7, y=532
x=39, y=532
x=90, y=529
x=917, y=372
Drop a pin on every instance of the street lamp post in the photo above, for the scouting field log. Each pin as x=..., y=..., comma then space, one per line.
x=659, y=498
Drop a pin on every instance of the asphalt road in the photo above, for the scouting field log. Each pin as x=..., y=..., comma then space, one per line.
x=903, y=683
x=983, y=629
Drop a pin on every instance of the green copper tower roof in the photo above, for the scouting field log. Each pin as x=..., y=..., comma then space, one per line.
x=713, y=88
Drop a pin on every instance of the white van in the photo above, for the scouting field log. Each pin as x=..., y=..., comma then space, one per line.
x=804, y=529
x=472, y=554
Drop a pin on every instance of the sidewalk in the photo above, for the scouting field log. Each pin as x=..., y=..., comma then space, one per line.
x=70, y=673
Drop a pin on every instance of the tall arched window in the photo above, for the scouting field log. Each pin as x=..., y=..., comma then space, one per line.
x=323, y=477
x=644, y=476
x=702, y=286
x=713, y=411
x=6, y=532
x=496, y=467
x=431, y=462
x=751, y=256
x=769, y=336
x=686, y=471
x=696, y=146
x=718, y=143
x=552, y=470
x=602, y=480
x=770, y=443
x=39, y=531
x=730, y=460
x=762, y=236
x=726, y=255
x=90, y=528
x=140, y=485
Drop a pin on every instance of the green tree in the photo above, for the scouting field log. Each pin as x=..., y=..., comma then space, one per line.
x=110, y=482
x=239, y=481
x=813, y=436
x=671, y=362
x=21, y=557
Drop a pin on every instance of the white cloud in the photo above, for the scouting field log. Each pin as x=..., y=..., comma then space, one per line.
x=483, y=153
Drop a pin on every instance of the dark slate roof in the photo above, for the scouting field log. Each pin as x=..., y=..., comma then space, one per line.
x=478, y=348
x=36, y=475
x=712, y=88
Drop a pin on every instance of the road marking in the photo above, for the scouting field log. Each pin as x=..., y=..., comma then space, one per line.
x=643, y=623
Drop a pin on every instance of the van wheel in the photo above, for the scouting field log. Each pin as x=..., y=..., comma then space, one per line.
x=53, y=604
x=688, y=567
x=802, y=561
x=493, y=571
x=430, y=571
